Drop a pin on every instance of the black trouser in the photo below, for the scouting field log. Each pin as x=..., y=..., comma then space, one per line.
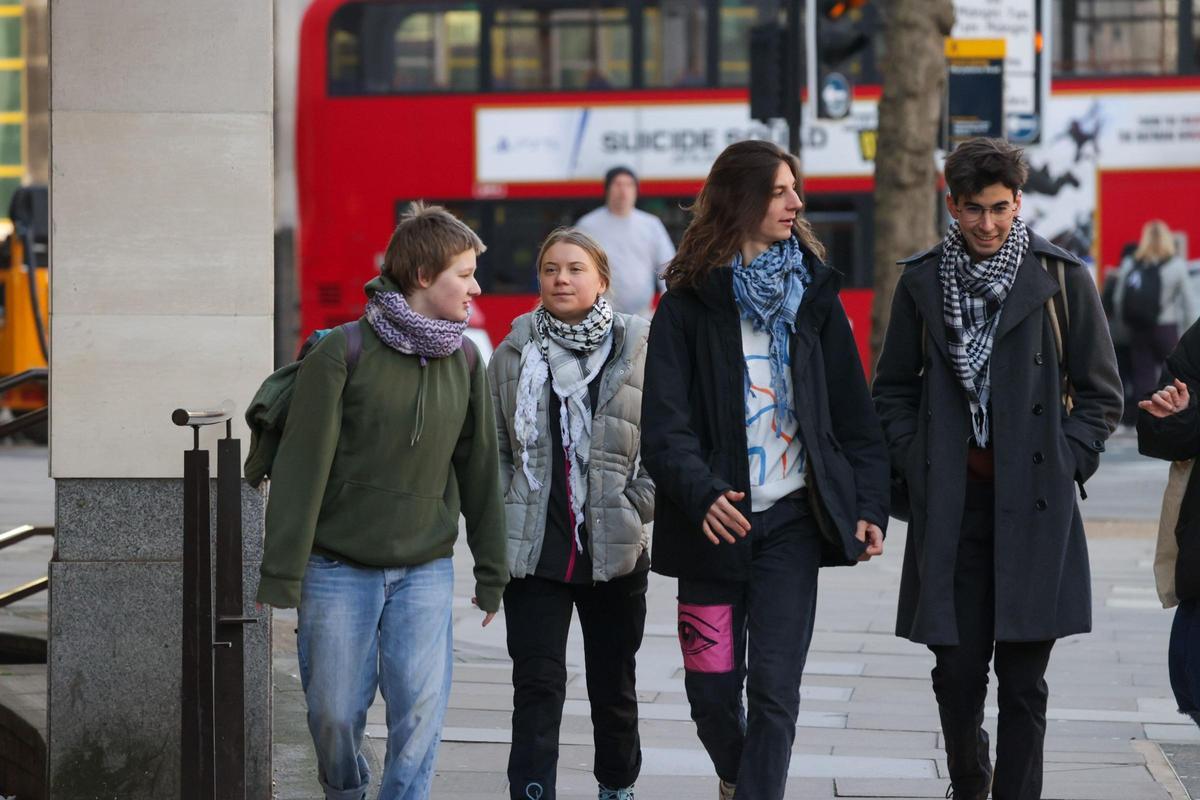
x=537, y=614
x=1148, y=351
x=960, y=677
x=773, y=614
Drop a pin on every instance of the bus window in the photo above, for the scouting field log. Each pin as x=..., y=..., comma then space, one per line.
x=737, y=17
x=1121, y=37
x=676, y=34
x=513, y=231
x=378, y=48
x=566, y=48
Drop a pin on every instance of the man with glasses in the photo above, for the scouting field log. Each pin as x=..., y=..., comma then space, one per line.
x=997, y=388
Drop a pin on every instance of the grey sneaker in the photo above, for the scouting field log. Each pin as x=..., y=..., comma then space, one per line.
x=615, y=794
x=726, y=791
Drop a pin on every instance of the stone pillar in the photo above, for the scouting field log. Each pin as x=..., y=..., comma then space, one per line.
x=161, y=253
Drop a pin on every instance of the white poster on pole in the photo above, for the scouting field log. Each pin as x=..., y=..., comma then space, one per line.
x=1014, y=21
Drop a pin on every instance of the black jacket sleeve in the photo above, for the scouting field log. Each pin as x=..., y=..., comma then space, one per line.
x=1092, y=369
x=897, y=386
x=855, y=423
x=671, y=449
x=1177, y=437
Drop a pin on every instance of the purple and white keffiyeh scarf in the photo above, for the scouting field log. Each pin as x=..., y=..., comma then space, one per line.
x=402, y=329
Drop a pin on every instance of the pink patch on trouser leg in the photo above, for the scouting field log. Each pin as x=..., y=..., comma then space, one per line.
x=706, y=637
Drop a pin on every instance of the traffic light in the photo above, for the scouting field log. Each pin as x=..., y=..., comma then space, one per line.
x=767, y=72
x=844, y=35
x=843, y=31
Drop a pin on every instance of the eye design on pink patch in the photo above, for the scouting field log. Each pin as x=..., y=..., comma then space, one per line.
x=695, y=635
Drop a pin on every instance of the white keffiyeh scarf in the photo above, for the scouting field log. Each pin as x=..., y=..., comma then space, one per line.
x=570, y=356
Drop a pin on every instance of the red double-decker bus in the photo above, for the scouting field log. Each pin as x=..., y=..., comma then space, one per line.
x=510, y=113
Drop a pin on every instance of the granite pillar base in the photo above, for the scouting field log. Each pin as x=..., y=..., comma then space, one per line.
x=115, y=642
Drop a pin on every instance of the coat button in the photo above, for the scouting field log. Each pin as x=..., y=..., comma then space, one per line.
x=1038, y=458
x=1037, y=409
x=1037, y=359
x=1040, y=505
x=1097, y=445
x=928, y=463
x=929, y=413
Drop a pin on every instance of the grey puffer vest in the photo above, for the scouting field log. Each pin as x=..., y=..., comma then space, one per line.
x=620, y=499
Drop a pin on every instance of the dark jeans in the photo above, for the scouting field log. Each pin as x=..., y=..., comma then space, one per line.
x=772, y=613
x=1148, y=351
x=960, y=677
x=537, y=613
x=1183, y=658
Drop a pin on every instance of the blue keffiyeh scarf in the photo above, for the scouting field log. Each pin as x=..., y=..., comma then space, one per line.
x=768, y=292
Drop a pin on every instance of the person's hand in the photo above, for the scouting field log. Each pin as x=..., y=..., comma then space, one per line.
x=724, y=520
x=1171, y=399
x=870, y=533
x=488, y=616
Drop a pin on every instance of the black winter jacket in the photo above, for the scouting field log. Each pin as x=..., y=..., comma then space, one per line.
x=1177, y=438
x=694, y=426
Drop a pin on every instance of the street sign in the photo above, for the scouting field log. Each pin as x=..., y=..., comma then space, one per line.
x=836, y=95
x=1016, y=23
x=1022, y=128
x=975, y=89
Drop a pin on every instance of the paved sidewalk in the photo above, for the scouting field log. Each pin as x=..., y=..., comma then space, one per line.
x=868, y=724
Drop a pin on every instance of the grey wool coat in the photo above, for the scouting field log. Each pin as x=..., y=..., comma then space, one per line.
x=620, y=499
x=1042, y=579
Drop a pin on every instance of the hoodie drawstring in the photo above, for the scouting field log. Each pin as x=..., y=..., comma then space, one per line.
x=419, y=420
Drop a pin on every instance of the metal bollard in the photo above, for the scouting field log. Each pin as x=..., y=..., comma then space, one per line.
x=213, y=735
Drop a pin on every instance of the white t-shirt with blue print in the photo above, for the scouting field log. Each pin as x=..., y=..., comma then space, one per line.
x=773, y=446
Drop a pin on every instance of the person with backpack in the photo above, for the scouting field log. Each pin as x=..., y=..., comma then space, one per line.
x=767, y=457
x=997, y=386
x=567, y=385
x=371, y=473
x=1155, y=299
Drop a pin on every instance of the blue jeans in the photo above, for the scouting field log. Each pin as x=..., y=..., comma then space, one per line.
x=362, y=629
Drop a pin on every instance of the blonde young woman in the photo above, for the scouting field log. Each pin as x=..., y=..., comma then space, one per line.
x=1155, y=299
x=567, y=385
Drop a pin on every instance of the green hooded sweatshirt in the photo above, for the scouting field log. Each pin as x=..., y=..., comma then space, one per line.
x=375, y=471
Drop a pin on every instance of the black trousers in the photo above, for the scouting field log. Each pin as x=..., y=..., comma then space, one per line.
x=770, y=616
x=1148, y=351
x=960, y=677
x=537, y=613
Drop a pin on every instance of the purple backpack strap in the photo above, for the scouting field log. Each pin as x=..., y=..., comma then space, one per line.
x=471, y=351
x=353, y=346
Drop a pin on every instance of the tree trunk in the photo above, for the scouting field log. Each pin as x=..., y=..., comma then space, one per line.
x=914, y=70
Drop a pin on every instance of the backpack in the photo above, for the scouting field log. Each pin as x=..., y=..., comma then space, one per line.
x=1141, y=303
x=267, y=412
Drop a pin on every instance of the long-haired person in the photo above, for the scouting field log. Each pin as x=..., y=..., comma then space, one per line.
x=1155, y=300
x=766, y=453
x=567, y=385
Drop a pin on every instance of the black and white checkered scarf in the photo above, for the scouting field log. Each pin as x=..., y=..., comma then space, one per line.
x=972, y=297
